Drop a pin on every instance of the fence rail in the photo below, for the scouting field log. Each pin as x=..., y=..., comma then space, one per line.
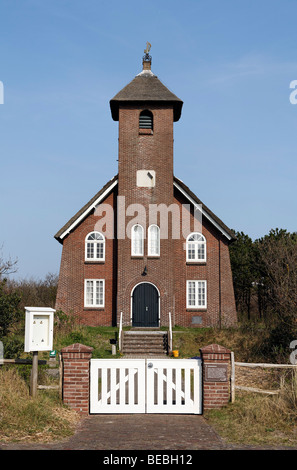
x=280, y=366
x=21, y=361
x=40, y=362
x=254, y=366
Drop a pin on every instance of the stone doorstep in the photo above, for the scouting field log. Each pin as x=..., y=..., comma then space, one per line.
x=144, y=356
x=144, y=343
x=144, y=332
x=143, y=339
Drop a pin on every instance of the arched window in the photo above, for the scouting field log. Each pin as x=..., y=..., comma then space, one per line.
x=146, y=120
x=196, y=247
x=153, y=240
x=137, y=240
x=95, y=247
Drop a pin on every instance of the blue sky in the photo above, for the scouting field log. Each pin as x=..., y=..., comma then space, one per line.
x=61, y=61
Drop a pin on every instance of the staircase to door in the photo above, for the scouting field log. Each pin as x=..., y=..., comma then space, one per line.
x=145, y=343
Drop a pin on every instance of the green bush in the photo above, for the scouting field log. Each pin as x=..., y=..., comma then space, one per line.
x=9, y=308
x=13, y=347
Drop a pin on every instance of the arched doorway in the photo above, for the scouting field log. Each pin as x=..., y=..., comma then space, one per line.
x=145, y=305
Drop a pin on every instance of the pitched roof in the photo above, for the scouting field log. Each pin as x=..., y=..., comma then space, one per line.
x=100, y=196
x=86, y=209
x=145, y=88
x=205, y=210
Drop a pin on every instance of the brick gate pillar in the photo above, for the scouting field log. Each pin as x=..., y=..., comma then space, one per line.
x=216, y=365
x=76, y=376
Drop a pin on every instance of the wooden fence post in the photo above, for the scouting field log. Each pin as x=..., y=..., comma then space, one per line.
x=34, y=375
x=232, y=378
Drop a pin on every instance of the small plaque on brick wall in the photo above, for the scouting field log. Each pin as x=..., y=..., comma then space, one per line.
x=216, y=373
x=197, y=320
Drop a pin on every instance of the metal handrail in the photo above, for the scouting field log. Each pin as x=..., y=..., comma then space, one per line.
x=120, y=331
x=170, y=333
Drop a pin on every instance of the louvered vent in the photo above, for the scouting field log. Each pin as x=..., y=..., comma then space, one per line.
x=146, y=120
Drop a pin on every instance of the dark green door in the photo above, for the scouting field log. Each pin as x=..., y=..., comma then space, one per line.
x=145, y=304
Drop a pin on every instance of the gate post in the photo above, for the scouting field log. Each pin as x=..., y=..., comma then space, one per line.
x=216, y=376
x=76, y=376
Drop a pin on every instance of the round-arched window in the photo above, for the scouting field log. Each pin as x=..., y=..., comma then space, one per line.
x=196, y=247
x=137, y=236
x=95, y=247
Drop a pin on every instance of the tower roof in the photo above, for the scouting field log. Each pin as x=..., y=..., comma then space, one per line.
x=145, y=88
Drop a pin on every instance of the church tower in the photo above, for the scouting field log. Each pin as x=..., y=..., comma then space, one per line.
x=146, y=111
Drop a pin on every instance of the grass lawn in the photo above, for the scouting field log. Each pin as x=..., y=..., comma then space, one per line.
x=256, y=419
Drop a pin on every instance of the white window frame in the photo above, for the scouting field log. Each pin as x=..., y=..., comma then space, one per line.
x=95, y=243
x=133, y=251
x=196, y=244
x=149, y=241
x=94, y=304
x=197, y=305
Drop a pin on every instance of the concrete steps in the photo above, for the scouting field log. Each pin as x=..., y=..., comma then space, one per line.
x=145, y=343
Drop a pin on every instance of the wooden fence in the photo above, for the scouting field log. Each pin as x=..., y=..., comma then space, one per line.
x=40, y=362
x=254, y=366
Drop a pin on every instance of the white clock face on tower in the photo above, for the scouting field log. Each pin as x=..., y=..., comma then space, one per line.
x=145, y=178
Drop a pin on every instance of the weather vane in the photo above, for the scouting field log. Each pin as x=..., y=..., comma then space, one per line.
x=148, y=47
x=147, y=57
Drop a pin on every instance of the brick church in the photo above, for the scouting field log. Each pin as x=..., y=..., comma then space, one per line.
x=145, y=245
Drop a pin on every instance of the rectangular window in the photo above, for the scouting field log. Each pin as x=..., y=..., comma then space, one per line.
x=196, y=294
x=94, y=292
x=90, y=250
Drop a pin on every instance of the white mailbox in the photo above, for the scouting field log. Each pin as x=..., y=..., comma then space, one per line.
x=39, y=329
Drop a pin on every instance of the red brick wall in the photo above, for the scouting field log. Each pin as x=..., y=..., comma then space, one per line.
x=216, y=271
x=215, y=393
x=76, y=377
x=139, y=151
x=74, y=270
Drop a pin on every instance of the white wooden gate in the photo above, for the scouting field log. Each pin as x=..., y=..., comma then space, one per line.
x=146, y=386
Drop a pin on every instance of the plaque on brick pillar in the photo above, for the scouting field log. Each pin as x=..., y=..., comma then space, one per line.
x=216, y=373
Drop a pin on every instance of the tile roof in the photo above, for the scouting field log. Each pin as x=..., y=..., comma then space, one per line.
x=145, y=88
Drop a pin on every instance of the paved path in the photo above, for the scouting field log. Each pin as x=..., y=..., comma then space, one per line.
x=138, y=432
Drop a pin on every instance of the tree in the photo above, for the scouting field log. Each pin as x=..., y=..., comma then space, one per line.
x=9, y=312
x=7, y=267
x=36, y=292
x=242, y=258
x=278, y=260
x=278, y=265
